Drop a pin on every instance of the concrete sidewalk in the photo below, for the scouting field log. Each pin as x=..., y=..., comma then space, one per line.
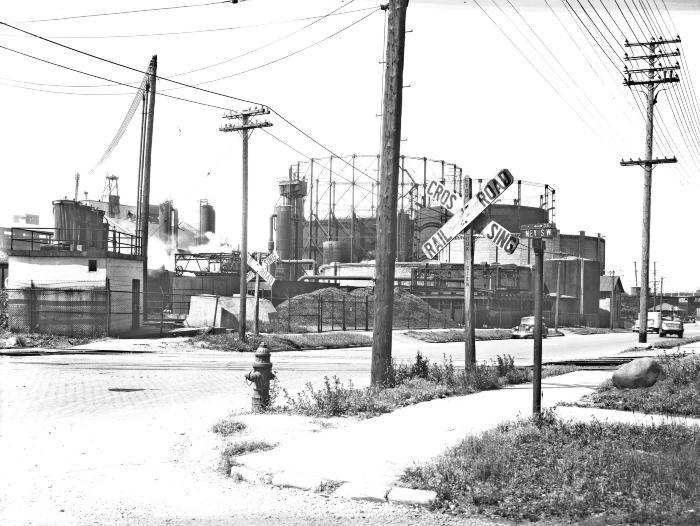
x=374, y=452
x=368, y=456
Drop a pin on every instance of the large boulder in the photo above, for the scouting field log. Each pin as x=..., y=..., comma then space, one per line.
x=642, y=372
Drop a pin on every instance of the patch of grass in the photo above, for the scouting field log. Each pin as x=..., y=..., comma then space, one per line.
x=677, y=392
x=330, y=340
x=236, y=449
x=51, y=341
x=407, y=384
x=675, y=342
x=548, y=469
x=457, y=335
x=593, y=330
x=228, y=426
x=229, y=341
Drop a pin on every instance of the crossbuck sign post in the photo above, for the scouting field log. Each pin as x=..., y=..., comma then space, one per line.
x=260, y=270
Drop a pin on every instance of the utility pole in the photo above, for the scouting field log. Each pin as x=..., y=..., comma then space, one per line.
x=661, y=298
x=388, y=189
x=142, y=221
x=246, y=127
x=650, y=77
x=469, y=315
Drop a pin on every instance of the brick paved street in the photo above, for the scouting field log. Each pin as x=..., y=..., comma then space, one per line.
x=75, y=451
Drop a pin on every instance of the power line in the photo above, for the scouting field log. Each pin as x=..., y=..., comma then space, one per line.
x=544, y=77
x=279, y=59
x=100, y=78
x=158, y=77
x=578, y=20
x=687, y=100
x=208, y=30
x=268, y=44
x=74, y=17
x=225, y=61
x=573, y=81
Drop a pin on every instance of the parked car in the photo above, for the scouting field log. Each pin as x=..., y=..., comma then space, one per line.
x=671, y=326
x=653, y=322
x=526, y=329
x=663, y=326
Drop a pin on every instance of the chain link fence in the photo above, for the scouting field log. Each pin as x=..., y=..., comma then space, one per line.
x=58, y=311
x=352, y=313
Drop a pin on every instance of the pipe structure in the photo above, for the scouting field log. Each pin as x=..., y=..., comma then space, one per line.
x=318, y=277
x=271, y=240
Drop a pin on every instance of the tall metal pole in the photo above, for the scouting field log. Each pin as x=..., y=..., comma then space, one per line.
x=612, y=302
x=556, y=304
x=538, y=246
x=146, y=193
x=469, y=317
x=388, y=189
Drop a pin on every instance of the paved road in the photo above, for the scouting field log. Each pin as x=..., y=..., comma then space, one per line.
x=121, y=438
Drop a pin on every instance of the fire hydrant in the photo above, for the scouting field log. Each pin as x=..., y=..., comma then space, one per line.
x=260, y=376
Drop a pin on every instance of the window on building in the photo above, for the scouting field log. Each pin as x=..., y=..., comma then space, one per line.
x=92, y=265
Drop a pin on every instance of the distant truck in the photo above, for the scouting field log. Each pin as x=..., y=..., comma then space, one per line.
x=660, y=325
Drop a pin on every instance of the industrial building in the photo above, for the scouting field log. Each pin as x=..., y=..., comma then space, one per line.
x=326, y=220
x=164, y=220
x=81, y=277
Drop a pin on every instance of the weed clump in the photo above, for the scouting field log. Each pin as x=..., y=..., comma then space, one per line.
x=236, y=449
x=407, y=383
x=227, y=426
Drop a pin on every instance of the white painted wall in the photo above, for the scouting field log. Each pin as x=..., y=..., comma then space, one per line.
x=55, y=272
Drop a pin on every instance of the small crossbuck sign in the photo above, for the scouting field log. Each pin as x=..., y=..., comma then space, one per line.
x=262, y=269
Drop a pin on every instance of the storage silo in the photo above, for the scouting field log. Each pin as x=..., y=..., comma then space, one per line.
x=207, y=218
x=404, y=226
x=167, y=223
x=336, y=252
x=284, y=240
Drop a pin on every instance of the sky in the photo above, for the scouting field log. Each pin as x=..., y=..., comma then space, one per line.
x=485, y=93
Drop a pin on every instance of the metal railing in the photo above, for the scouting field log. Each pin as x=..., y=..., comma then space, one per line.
x=75, y=239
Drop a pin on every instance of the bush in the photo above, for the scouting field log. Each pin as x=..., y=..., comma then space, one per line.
x=548, y=469
x=407, y=383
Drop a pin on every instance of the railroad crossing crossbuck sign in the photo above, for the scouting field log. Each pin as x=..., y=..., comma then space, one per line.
x=262, y=269
x=501, y=237
x=463, y=217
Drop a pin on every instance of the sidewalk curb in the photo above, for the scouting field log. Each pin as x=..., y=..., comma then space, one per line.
x=34, y=351
x=347, y=490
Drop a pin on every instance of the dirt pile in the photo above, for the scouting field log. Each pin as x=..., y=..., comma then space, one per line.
x=355, y=309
